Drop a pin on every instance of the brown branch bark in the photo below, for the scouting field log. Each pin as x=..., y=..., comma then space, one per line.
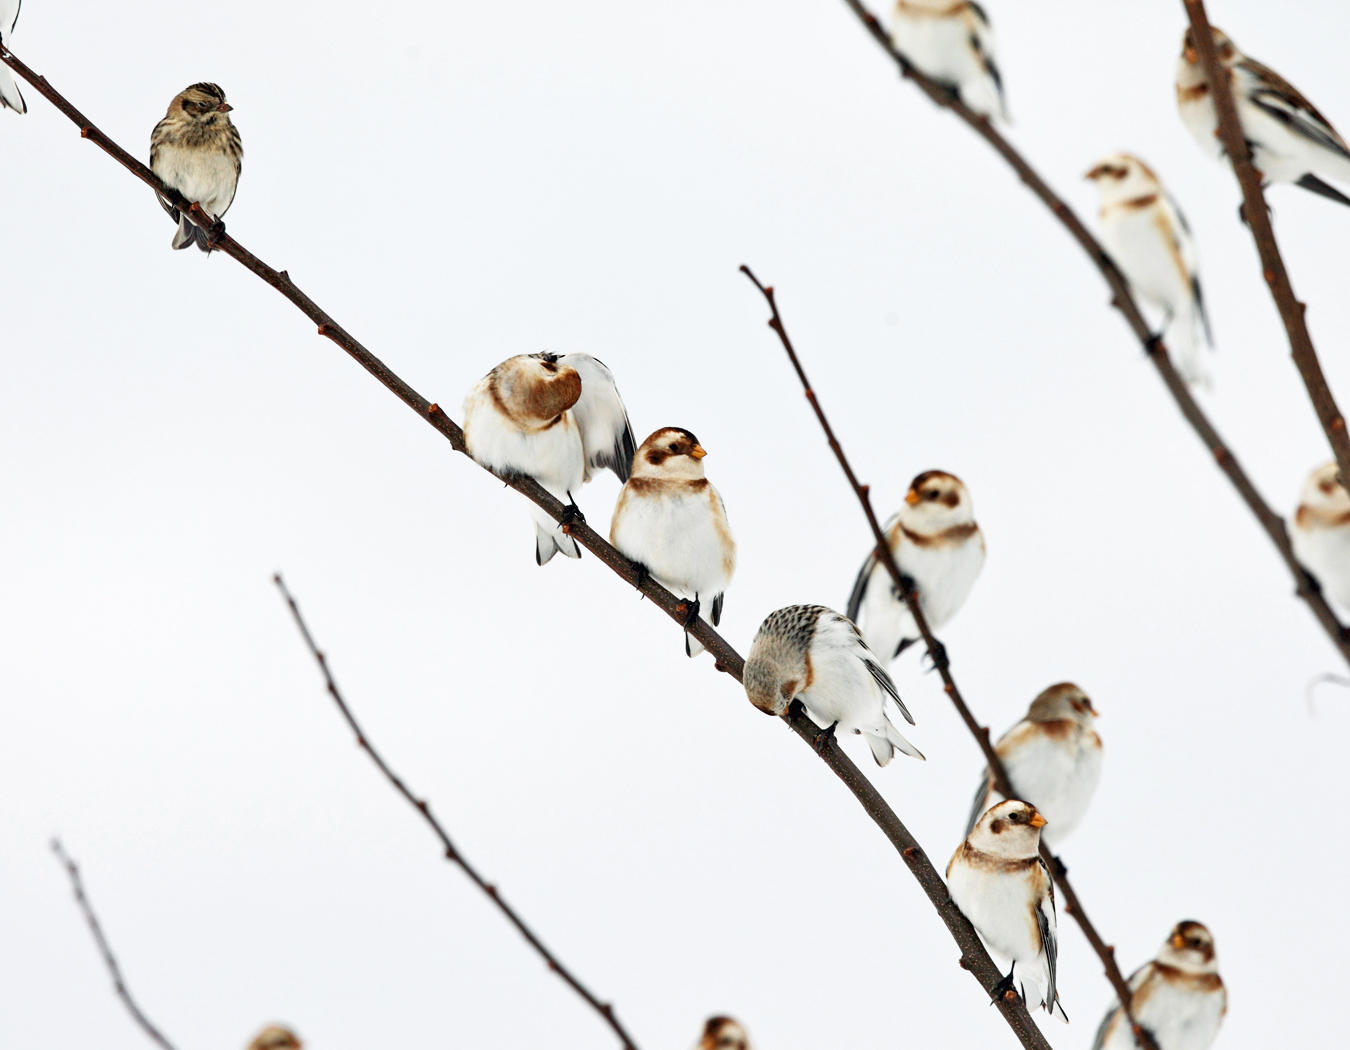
x=1123, y=300
x=974, y=957
x=1263, y=233
x=452, y=853
x=109, y=960
x=938, y=653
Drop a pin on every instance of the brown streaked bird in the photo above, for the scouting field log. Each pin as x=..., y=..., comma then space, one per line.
x=1320, y=532
x=951, y=41
x=723, y=1033
x=671, y=521
x=935, y=541
x=1178, y=997
x=196, y=150
x=275, y=1037
x=1053, y=758
x=998, y=880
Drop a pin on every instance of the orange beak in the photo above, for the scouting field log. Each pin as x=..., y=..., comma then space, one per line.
x=1178, y=942
x=1037, y=821
x=912, y=497
x=698, y=452
x=224, y=107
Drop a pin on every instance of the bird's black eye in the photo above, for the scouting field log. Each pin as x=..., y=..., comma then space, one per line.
x=931, y=494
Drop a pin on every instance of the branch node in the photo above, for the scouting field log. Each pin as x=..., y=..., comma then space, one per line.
x=323, y=329
x=1221, y=453
x=84, y=131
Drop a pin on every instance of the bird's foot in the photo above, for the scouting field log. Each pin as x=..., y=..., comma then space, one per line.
x=824, y=738
x=641, y=574
x=907, y=586
x=691, y=611
x=571, y=514
x=1001, y=990
x=215, y=232
x=937, y=657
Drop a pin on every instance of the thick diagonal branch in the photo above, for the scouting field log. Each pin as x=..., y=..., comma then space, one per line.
x=1123, y=300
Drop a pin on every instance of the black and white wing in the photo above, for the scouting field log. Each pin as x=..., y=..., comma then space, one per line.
x=606, y=434
x=10, y=97
x=1045, y=919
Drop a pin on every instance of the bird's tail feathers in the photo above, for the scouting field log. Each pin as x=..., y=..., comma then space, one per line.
x=549, y=540
x=10, y=96
x=887, y=742
x=190, y=233
x=1312, y=183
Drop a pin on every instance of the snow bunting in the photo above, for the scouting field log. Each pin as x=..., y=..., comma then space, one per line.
x=1179, y=996
x=934, y=540
x=1053, y=758
x=671, y=521
x=1290, y=141
x=723, y=1033
x=1147, y=236
x=1320, y=534
x=998, y=880
x=196, y=150
x=950, y=41
x=556, y=418
x=275, y=1037
x=812, y=654
x=10, y=98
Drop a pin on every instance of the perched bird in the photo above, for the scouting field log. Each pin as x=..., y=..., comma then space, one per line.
x=1321, y=532
x=10, y=97
x=196, y=150
x=275, y=1037
x=812, y=654
x=1147, y=235
x=998, y=880
x=1179, y=996
x=723, y=1033
x=557, y=419
x=1290, y=141
x=950, y=41
x=671, y=521
x=935, y=541
x=1053, y=758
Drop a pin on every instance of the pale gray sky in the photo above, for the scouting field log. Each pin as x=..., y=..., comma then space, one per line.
x=458, y=183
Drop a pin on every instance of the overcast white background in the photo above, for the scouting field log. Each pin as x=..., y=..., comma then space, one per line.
x=459, y=183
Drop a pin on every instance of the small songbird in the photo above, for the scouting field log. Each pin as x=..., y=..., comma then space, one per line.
x=1053, y=759
x=935, y=541
x=557, y=419
x=998, y=880
x=951, y=41
x=10, y=96
x=1320, y=534
x=1178, y=996
x=196, y=150
x=812, y=654
x=671, y=521
x=1289, y=139
x=723, y=1033
x=275, y=1037
x=1147, y=236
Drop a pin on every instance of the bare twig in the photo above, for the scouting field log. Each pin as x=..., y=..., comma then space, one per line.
x=1123, y=300
x=77, y=885
x=1263, y=233
x=938, y=653
x=452, y=854
x=974, y=957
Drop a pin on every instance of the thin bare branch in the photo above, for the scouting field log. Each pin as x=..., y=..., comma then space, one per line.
x=109, y=960
x=904, y=587
x=1257, y=214
x=1305, y=586
x=452, y=853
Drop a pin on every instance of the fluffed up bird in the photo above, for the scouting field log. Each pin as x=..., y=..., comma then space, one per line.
x=671, y=521
x=950, y=41
x=1053, y=759
x=1289, y=139
x=275, y=1037
x=197, y=151
x=1147, y=236
x=723, y=1033
x=10, y=96
x=998, y=880
x=557, y=419
x=1178, y=996
x=935, y=541
x=812, y=654
x=1320, y=534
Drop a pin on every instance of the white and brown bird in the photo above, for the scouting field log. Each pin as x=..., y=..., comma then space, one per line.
x=1146, y=234
x=723, y=1033
x=998, y=880
x=951, y=41
x=1053, y=759
x=1320, y=532
x=556, y=419
x=10, y=97
x=1178, y=997
x=935, y=541
x=197, y=151
x=1289, y=139
x=275, y=1037
x=812, y=654
x=671, y=521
